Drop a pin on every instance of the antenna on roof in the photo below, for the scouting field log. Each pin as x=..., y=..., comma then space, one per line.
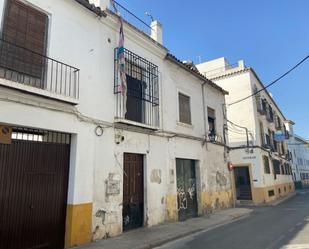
x=199, y=59
x=151, y=16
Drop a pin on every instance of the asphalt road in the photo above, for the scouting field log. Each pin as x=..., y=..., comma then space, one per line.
x=285, y=226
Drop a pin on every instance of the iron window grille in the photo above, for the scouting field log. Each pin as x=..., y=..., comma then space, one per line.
x=41, y=136
x=141, y=103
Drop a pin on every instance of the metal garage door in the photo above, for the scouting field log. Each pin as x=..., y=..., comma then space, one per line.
x=186, y=189
x=33, y=190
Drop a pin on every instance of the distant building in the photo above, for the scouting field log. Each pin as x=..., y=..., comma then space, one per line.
x=299, y=149
x=262, y=164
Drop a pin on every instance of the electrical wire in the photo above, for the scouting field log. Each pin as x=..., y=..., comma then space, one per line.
x=272, y=83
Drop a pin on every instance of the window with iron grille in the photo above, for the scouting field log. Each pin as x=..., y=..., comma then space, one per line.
x=141, y=103
x=276, y=167
x=266, y=164
x=184, y=108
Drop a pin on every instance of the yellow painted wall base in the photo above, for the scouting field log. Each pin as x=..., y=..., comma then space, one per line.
x=210, y=201
x=171, y=205
x=78, y=225
x=207, y=203
x=260, y=195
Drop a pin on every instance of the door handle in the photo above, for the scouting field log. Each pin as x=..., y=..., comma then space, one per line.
x=31, y=206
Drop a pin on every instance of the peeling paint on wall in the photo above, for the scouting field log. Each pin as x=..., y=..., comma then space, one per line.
x=155, y=176
x=113, y=184
x=221, y=179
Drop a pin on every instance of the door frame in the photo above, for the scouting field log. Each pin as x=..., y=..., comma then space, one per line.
x=249, y=166
x=197, y=183
x=145, y=206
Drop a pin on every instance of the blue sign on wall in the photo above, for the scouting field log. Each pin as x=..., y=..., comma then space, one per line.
x=280, y=136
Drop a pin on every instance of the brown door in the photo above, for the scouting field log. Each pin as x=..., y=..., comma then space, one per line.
x=133, y=191
x=33, y=194
x=186, y=189
x=24, y=40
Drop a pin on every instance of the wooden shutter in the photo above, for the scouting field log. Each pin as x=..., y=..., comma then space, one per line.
x=24, y=33
x=184, y=109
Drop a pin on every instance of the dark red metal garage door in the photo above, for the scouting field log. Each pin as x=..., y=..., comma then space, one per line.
x=33, y=190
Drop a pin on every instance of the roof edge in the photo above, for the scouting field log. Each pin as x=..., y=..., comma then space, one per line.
x=178, y=62
x=97, y=10
x=250, y=69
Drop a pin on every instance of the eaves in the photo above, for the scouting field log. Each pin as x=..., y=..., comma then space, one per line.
x=197, y=74
x=96, y=10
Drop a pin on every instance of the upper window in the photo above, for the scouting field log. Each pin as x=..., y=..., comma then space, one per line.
x=184, y=108
x=141, y=102
x=211, y=121
x=266, y=164
x=24, y=40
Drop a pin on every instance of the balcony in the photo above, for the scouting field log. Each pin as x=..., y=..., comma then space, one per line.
x=37, y=74
x=139, y=105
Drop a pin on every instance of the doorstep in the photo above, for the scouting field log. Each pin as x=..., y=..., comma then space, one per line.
x=150, y=237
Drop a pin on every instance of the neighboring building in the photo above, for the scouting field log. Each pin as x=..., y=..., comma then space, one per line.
x=299, y=150
x=76, y=163
x=262, y=166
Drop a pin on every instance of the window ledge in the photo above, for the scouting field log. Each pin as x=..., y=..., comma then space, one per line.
x=129, y=122
x=190, y=126
x=37, y=91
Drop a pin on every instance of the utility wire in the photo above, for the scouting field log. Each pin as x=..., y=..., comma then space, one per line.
x=272, y=83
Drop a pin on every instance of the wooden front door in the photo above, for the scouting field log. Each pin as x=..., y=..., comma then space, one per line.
x=33, y=194
x=242, y=183
x=186, y=189
x=133, y=191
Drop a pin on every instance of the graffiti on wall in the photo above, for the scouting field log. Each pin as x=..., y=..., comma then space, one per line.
x=183, y=194
x=182, y=198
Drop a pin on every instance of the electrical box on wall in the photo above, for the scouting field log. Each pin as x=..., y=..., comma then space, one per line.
x=5, y=134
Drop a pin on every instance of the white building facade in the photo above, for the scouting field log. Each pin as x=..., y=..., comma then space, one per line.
x=299, y=149
x=262, y=170
x=79, y=158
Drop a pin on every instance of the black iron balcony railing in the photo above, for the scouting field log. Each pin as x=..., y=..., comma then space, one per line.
x=24, y=66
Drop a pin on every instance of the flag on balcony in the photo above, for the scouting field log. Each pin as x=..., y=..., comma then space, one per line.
x=121, y=62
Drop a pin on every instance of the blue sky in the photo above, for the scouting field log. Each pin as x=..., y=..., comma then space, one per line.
x=270, y=35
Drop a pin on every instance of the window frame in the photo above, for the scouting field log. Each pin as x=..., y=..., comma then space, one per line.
x=179, y=94
x=214, y=121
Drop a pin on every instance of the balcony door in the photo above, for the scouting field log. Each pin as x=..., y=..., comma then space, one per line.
x=23, y=43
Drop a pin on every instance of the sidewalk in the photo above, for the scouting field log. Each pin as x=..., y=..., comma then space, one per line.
x=146, y=238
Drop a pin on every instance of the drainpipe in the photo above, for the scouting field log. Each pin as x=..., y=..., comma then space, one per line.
x=204, y=114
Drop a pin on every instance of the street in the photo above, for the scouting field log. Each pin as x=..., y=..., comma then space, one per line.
x=285, y=226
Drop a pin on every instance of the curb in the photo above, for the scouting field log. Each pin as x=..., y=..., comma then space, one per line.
x=194, y=231
x=276, y=203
